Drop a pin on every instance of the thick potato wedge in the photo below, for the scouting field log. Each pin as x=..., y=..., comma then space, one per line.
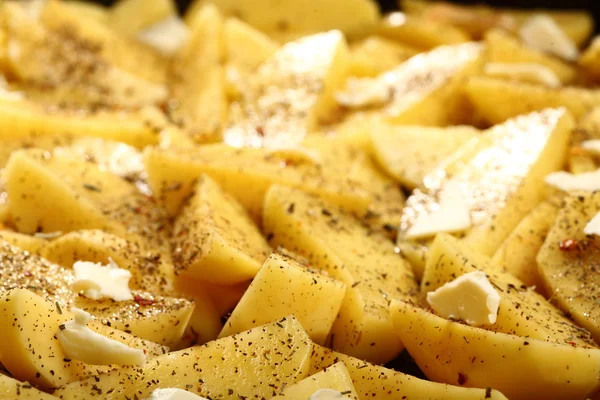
x=290, y=93
x=375, y=55
x=10, y=388
x=590, y=59
x=215, y=240
x=517, y=254
x=522, y=311
x=373, y=381
x=409, y=153
x=246, y=47
x=128, y=17
x=501, y=192
x=334, y=241
x=284, y=287
x=27, y=318
x=496, y=99
x=266, y=366
x=290, y=19
x=502, y=48
x=32, y=244
x=96, y=12
x=420, y=33
x=335, y=377
x=521, y=368
x=568, y=273
x=198, y=79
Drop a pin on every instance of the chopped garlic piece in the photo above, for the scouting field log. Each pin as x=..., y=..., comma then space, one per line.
x=588, y=181
x=541, y=32
x=174, y=394
x=592, y=146
x=527, y=72
x=470, y=298
x=166, y=36
x=97, y=281
x=328, y=394
x=593, y=227
x=364, y=92
x=453, y=214
x=81, y=343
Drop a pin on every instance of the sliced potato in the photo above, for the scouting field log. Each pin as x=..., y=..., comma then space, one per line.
x=247, y=47
x=257, y=355
x=128, y=17
x=284, y=287
x=11, y=388
x=375, y=55
x=409, y=153
x=566, y=261
x=502, y=175
x=517, y=254
x=336, y=242
x=496, y=100
x=215, y=240
x=373, y=381
x=335, y=377
x=28, y=318
x=96, y=12
x=28, y=243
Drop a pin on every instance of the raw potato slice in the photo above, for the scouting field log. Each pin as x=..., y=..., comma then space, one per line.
x=27, y=318
x=246, y=47
x=522, y=311
x=409, y=153
x=335, y=377
x=215, y=240
x=290, y=19
x=265, y=366
x=128, y=17
x=290, y=93
x=373, y=381
x=334, y=241
x=172, y=173
x=502, y=48
x=11, y=388
x=501, y=176
x=517, y=255
x=521, y=368
x=496, y=100
x=420, y=33
x=375, y=55
x=284, y=287
x=198, y=79
x=569, y=271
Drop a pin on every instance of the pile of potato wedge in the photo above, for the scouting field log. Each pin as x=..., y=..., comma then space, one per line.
x=285, y=182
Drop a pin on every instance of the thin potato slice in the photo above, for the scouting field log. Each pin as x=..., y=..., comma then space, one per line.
x=284, y=287
x=267, y=360
x=334, y=241
x=215, y=240
x=11, y=388
x=522, y=368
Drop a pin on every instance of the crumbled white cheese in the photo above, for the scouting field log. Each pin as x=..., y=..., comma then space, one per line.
x=567, y=182
x=452, y=215
x=166, y=36
x=328, y=394
x=174, y=394
x=470, y=298
x=542, y=33
x=364, y=92
x=593, y=227
x=81, y=343
x=592, y=146
x=528, y=72
x=97, y=281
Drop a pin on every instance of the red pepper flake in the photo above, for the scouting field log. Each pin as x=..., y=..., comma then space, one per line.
x=27, y=274
x=462, y=379
x=142, y=301
x=572, y=344
x=569, y=245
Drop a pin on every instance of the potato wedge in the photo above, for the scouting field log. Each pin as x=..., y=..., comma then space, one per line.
x=10, y=388
x=215, y=240
x=501, y=192
x=289, y=19
x=284, y=287
x=375, y=55
x=198, y=79
x=29, y=243
x=290, y=93
x=334, y=241
x=28, y=318
x=96, y=12
x=496, y=100
x=517, y=254
x=335, y=377
x=409, y=153
x=128, y=17
x=568, y=272
x=246, y=46
x=522, y=311
x=373, y=381
x=264, y=364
